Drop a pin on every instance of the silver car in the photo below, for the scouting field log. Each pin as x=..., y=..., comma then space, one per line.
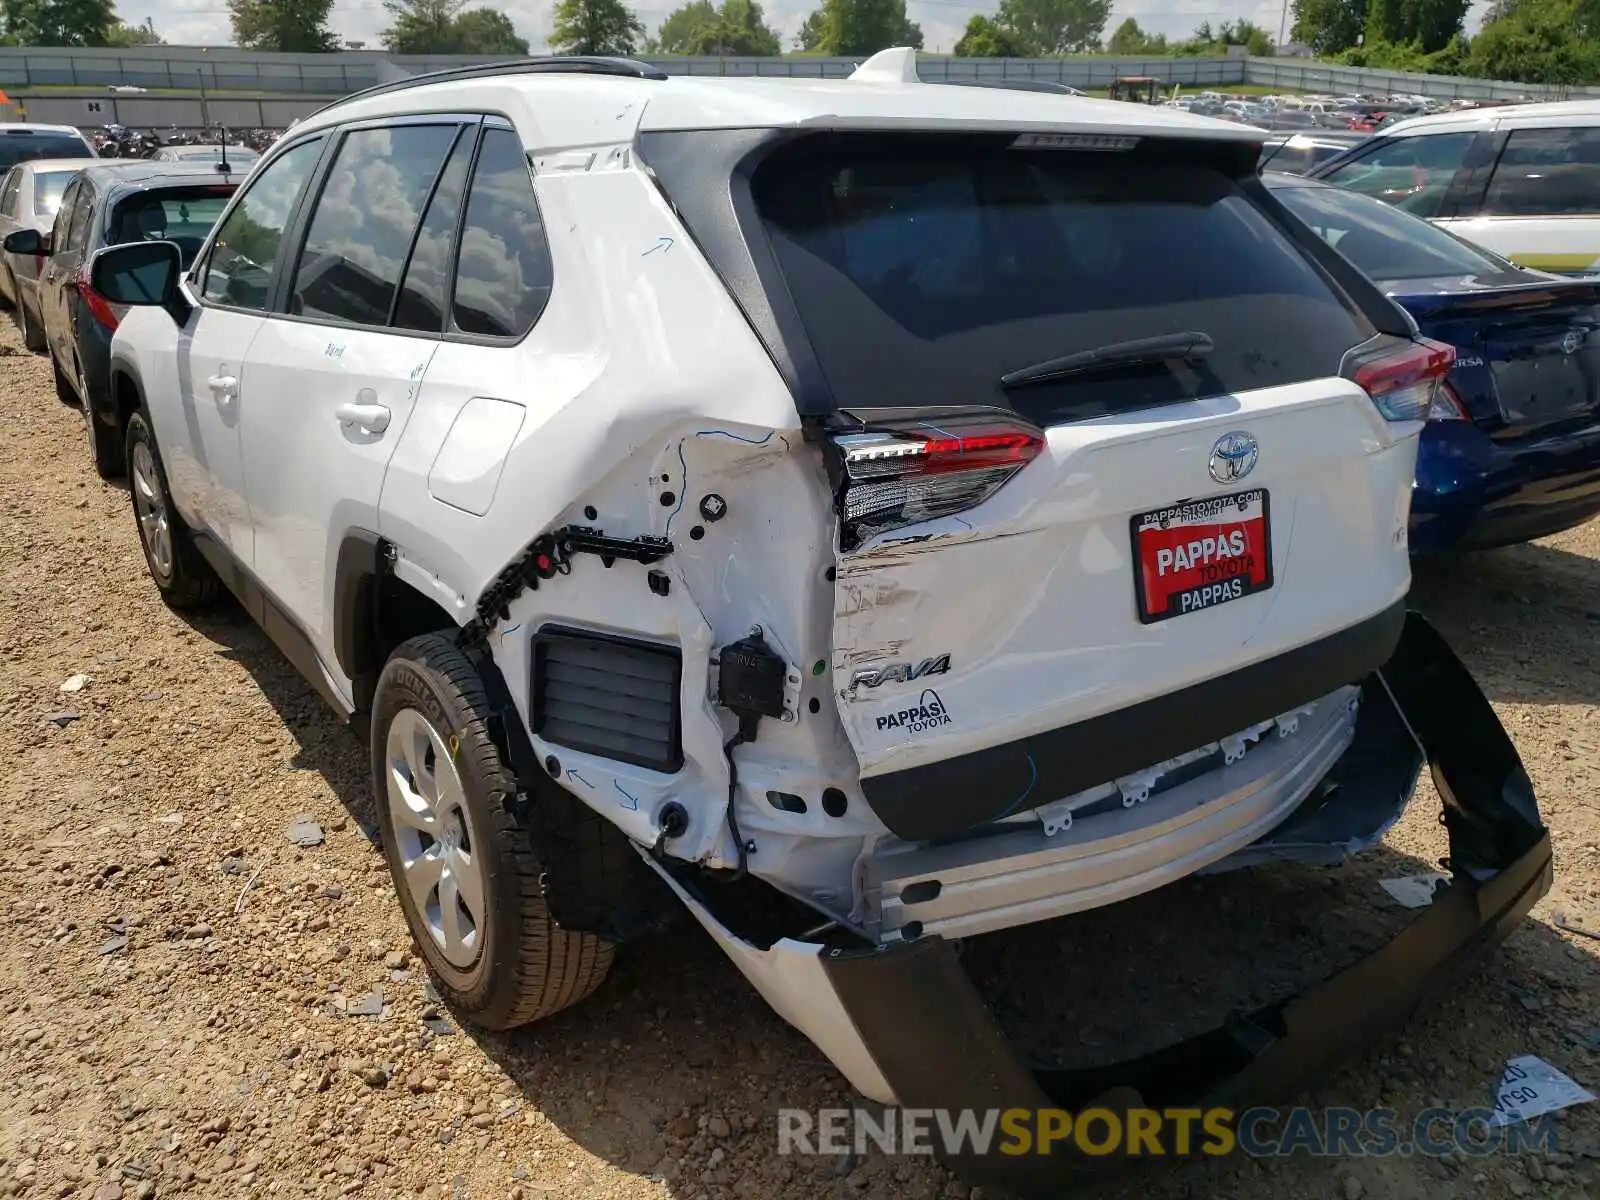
x=29, y=198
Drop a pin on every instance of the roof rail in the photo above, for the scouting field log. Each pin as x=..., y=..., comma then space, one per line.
x=580, y=64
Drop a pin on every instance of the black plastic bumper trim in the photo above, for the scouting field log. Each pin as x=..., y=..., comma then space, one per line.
x=940, y=799
x=932, y=1037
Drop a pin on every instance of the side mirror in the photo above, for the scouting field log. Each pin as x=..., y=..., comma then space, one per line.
x=27, y=241
x=139, y=273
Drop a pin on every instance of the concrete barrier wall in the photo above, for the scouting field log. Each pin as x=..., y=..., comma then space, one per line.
x=76, y=83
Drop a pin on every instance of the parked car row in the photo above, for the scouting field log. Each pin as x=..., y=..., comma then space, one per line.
x=56, y=215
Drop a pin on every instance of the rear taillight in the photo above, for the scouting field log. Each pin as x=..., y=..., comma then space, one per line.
x=1447, y=405
x=902, y=472
x=102, y=310
x=1402, y=378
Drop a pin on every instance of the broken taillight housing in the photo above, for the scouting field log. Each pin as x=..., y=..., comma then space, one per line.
x=1402, y=377
x=902, y=471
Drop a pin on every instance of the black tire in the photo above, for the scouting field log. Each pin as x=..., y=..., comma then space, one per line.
x=64, y=390
x=108, y=447
x=186, y=580
x=9, y=293
x=526, y=966
x=32, y=334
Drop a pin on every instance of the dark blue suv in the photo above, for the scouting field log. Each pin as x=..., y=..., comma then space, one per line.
x=110, y=204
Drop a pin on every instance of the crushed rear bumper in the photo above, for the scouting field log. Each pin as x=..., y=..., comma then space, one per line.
x=906, y=1025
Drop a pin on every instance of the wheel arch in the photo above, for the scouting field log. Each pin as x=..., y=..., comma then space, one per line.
x=127, y=388
x=374, y=611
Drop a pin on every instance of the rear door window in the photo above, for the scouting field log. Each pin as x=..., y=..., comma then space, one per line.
x=425, y=289
x=78, y=224
x=365, y=220
x=1412, y=173
x=1546, y=172
x=926, y=267
x=503, y=274
x=58, y=229
x=9, y=193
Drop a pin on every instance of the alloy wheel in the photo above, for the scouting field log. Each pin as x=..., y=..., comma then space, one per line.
x=433, y=835
x=150, y=506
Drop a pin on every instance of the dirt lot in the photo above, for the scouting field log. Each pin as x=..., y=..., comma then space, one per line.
x=172, y=968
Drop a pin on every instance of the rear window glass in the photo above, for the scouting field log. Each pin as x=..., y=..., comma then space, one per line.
x=1385, y=243
x=926, y=267
x=48, y=187
x=184, y=216
x=27, y=147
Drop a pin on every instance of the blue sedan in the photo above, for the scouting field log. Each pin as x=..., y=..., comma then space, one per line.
x=1511, y=450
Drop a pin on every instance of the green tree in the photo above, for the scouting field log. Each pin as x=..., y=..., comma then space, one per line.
x=296, y=26
x=856, y=27
x=1434, y=24
x=421, y=26
x=441, y=27
x=738, y=27
x=57, y=22
x=1332, y=27
x=120, y=34
x=984, y=39
x=595, y=27
x=1056, y=26
x=488, y=31
x=1128, y=39
x=682, y=26
x=1386, y=21
x=810, y=37
x=1538, y=41
x=1329, y=26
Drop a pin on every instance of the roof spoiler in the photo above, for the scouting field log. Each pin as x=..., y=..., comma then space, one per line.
x=897, y=64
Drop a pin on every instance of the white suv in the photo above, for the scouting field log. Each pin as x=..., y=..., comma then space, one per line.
x=874, y=514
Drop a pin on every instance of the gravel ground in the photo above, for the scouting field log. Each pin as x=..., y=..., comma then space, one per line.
x=189, y=1003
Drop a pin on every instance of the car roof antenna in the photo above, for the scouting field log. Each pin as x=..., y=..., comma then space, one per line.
x=897, y=64
x=222, y=152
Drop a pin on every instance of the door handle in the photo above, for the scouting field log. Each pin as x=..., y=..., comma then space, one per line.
x=224, y=385
x=374, y=418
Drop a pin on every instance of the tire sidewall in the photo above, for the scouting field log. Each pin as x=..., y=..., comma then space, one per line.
x=139, y=431
x=408, y=683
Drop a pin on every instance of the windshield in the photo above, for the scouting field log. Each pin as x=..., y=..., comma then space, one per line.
x=47, y=189
x=925, y=267
x=26, y=147
x=1384, y=242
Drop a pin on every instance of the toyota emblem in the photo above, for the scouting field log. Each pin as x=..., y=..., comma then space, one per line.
x=1571, y=342
x=1233, y=457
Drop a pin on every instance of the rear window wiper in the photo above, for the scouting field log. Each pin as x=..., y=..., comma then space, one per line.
x=1166, y=347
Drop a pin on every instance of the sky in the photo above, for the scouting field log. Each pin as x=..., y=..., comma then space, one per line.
x=205, y=22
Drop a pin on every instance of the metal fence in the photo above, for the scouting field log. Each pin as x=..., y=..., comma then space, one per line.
x=1300, y=75
x=324, y=76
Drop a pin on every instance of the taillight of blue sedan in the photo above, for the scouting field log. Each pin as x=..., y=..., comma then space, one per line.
x=1511, y=450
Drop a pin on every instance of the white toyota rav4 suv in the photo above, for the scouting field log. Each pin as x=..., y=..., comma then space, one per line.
x=869, y=514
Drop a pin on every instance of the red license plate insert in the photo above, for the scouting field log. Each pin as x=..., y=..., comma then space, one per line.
x=1197, y=554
